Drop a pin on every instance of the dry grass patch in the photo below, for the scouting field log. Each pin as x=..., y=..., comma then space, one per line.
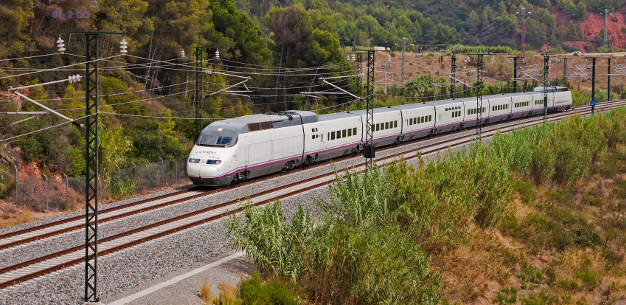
x=205, y=294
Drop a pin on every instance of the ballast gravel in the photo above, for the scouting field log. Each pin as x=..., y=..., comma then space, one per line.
x=129, y=268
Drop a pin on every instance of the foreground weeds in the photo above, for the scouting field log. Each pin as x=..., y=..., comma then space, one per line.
x=535, y=217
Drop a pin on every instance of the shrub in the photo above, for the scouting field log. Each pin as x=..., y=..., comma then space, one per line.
x=569, y=285
x=587, y=238
x=352, y=266
x=506, y=296
x=273, y=244
x=254, y=291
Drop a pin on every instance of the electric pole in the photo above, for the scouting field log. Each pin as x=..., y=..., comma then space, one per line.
x=523, y=40
x=608, y=85
x=453, y=70
x=91, y=160
x=479, y=94
x=593, y=85
x=199, y=98
x=403, y=60
x=369, y=152
x=606, y=24
x=386, y=66
x=515, y=74
x=546, y=60
x=359, y=73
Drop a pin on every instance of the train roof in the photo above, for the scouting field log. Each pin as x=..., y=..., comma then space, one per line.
x=255, y=122
x=411, y=106
x=550, y=89
x=444, y=102
x=376, y=110
x=336, y=116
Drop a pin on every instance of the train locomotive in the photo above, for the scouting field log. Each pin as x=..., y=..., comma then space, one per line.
x=236, y=149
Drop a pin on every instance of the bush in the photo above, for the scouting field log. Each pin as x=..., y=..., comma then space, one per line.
x=273, y=244
x=254, y=291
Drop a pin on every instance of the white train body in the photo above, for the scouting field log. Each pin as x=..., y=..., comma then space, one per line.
x=236, y=149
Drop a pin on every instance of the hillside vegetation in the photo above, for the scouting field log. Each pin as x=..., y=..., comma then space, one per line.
x=536, y=216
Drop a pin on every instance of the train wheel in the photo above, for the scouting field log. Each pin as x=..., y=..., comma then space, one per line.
x=241, y=177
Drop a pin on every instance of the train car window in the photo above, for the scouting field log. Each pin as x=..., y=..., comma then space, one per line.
x=343, y=133
x=332, y=135
x=395, y=124
x=430, y=118
x=378, y=127
x=338, y=134
x=386, y=125
x=354, y=131
x=312, y=137
x=350, y=132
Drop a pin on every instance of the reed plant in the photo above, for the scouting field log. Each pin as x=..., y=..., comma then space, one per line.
x=377, y=231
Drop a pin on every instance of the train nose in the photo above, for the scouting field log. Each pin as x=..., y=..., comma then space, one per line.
x=208, y=171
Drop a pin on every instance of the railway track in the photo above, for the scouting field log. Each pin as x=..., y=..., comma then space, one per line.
x=26, y=270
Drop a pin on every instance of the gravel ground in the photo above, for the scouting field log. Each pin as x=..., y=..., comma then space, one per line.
x=148, y=262
x=132, y=267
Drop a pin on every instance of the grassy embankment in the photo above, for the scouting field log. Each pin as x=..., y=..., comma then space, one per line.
x=535, y=217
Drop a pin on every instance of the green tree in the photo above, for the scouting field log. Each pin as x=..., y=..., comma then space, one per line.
x=581, y=11
x=113, y=148
x=573, y=31
x=324, y=48
x=128, y=16
x=235, y=34
x=14, y=17
x=473, y=22
x=291, y=33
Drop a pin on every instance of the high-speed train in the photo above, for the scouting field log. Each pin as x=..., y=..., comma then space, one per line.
x=241, y=148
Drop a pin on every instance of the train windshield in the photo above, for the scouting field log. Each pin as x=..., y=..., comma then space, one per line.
x=218, y=137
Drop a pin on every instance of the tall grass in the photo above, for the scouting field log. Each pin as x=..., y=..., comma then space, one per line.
x=376, y=231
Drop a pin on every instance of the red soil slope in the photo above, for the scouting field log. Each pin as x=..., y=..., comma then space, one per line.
x=594, y=24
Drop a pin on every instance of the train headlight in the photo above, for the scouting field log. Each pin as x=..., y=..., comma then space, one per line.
x=213, y=162
x=192, y=160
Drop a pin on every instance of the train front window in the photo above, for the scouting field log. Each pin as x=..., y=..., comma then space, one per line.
x=218, y=137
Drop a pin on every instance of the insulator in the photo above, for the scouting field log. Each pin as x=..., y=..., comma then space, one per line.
x=217, y=54
x=182, y=53
x=123, y=46
x=60, y=45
